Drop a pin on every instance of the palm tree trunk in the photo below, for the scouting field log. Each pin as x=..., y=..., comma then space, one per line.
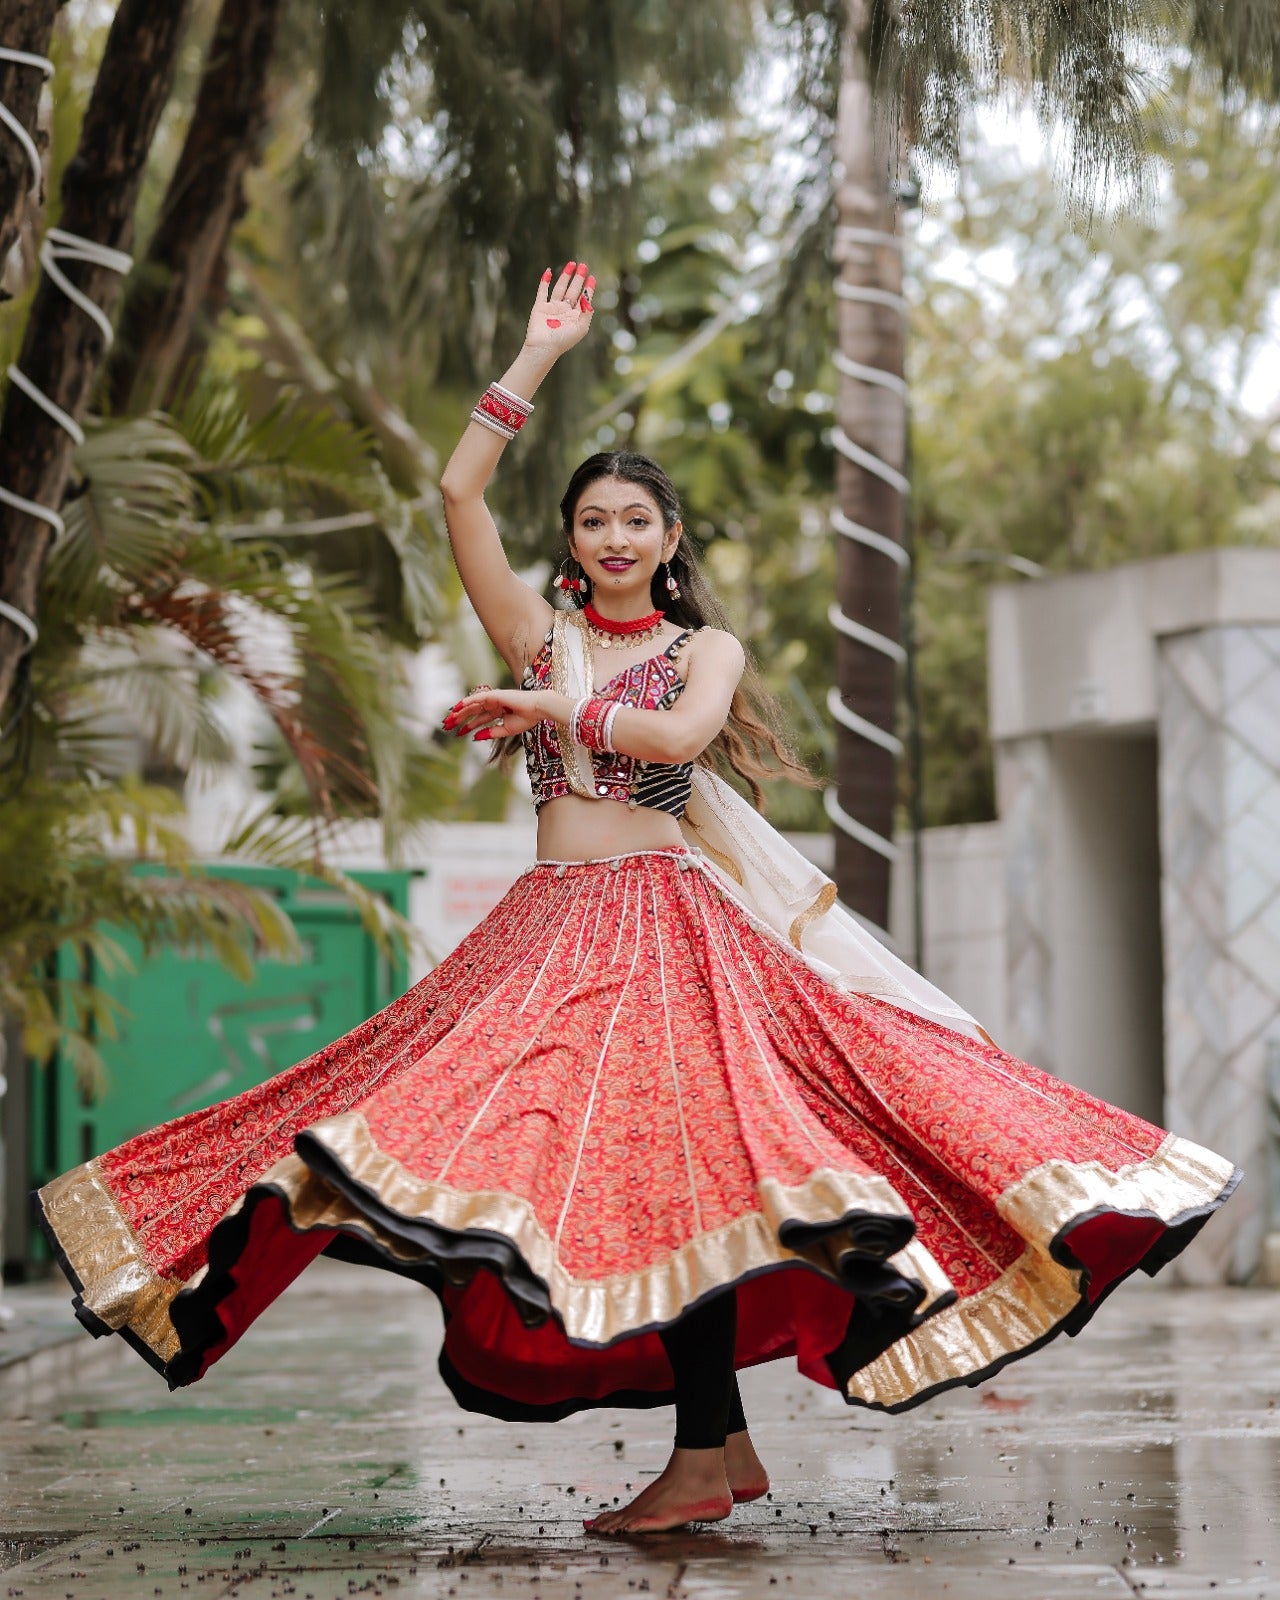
x=24, y=25
x=870, y=440
x=62, y=348
x=202, y=204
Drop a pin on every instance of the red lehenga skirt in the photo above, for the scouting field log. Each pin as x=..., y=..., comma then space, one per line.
x=619, y=1095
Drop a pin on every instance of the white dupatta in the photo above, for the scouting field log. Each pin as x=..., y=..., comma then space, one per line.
x=753, y=864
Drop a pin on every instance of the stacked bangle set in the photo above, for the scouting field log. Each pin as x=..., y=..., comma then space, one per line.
x=591, y=723
x=502, y=411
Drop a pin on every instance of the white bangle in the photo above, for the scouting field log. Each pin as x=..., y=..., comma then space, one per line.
x=492, y=423
x=579, y=707
x=606, y=731
x=517, y=400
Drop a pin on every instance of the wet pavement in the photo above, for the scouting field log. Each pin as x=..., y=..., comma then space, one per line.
x=324, y=1458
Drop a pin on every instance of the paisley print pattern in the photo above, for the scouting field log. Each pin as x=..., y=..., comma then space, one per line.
x=618, y=1095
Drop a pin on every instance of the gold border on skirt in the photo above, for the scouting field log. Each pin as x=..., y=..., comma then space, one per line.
x=600, y=1310
x=1033, y=1295
x=107, y=1256
x=1029, y=1299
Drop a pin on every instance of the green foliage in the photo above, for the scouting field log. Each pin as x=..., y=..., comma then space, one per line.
x=1091, y=412
x=67, y=847
x=415, y=201
x=428, y=157
x=159, y=604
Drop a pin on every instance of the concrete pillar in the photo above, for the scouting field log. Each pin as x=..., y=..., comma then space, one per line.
x=1024, y=796
x=1219, y=727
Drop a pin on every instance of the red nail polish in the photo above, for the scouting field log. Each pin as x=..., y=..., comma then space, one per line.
x=584, y=304
x=546, y=276
x=591, y=283
x=484, y=734
x=570, y=266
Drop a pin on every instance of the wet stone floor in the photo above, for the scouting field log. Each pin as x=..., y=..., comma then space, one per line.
x=324, y=1458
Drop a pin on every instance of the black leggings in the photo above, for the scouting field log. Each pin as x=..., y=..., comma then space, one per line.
x=700, y=1350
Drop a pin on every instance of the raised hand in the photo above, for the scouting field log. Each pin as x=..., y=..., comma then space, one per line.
x=561, y=312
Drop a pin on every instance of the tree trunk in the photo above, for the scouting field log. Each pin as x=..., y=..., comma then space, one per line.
x=870, y=441
x=204, y=200
x=62, y=348
x=24, y=25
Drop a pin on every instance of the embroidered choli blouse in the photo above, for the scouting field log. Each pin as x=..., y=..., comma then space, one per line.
x=649, y=685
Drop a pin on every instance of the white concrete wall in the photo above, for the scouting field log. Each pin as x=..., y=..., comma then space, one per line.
x=1104, y=920
x=1082, y=890
x=964, y=916
x=1220, y=826
x=1085, y=672
x=1081, y=651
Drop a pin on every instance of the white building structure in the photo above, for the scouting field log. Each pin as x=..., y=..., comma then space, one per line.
x=1136, y=720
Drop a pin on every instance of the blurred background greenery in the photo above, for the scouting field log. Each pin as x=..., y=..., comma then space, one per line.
x=1087, y=353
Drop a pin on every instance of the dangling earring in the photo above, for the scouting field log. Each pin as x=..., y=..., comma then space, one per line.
x=565, y=584
x=673, y=588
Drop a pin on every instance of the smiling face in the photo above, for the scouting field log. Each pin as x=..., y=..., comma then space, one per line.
x=619, y=540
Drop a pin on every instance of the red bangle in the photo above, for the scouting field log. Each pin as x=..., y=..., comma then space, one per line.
x=494, y=406
x=501, y=410
x=591, y=724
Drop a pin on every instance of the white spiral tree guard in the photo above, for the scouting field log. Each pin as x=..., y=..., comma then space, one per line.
x=847, y=528
x=58, y=245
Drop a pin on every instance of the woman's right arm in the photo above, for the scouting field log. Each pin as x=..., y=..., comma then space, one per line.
x=511, y=613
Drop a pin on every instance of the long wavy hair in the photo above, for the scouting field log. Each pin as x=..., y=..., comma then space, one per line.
x=752, y=742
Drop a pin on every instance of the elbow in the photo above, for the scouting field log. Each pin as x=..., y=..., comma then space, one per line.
x=682, y=748
x=460, y=484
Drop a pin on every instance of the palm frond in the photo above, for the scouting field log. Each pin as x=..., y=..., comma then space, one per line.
x=298, y=844
x=145, y=674
x=296, y=450
x=132, y=519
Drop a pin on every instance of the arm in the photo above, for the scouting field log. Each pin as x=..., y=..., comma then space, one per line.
x=680, y=733
x=510, y=612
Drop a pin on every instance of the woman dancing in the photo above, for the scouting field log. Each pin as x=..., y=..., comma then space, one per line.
x=668, y=1111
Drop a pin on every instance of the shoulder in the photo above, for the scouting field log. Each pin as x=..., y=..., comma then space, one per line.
x=714, y=651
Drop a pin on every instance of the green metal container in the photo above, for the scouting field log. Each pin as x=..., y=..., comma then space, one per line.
x=192, y=1033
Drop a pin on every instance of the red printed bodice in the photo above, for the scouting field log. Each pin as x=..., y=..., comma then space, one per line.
x=649, y=685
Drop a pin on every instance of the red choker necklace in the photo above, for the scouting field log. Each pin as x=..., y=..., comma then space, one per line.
x=617, y=635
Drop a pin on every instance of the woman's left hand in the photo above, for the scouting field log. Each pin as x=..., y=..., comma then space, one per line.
x=493, y=713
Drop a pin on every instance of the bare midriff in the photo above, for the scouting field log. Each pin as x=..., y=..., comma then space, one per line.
x=572, y=828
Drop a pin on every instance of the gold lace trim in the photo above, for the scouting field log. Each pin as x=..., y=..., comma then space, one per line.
x=1178, y=1177
x=1022, y=1305
x=826, y=898
x=1033, y=1295
x=107, y=1257
x=124, y=1291
x=600, y=1310
x=725, y=863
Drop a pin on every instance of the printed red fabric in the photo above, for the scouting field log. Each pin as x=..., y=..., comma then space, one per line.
x=617, y=1096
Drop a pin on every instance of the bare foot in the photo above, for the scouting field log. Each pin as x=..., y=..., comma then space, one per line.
x=747, y=1478
x=692, y=1487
